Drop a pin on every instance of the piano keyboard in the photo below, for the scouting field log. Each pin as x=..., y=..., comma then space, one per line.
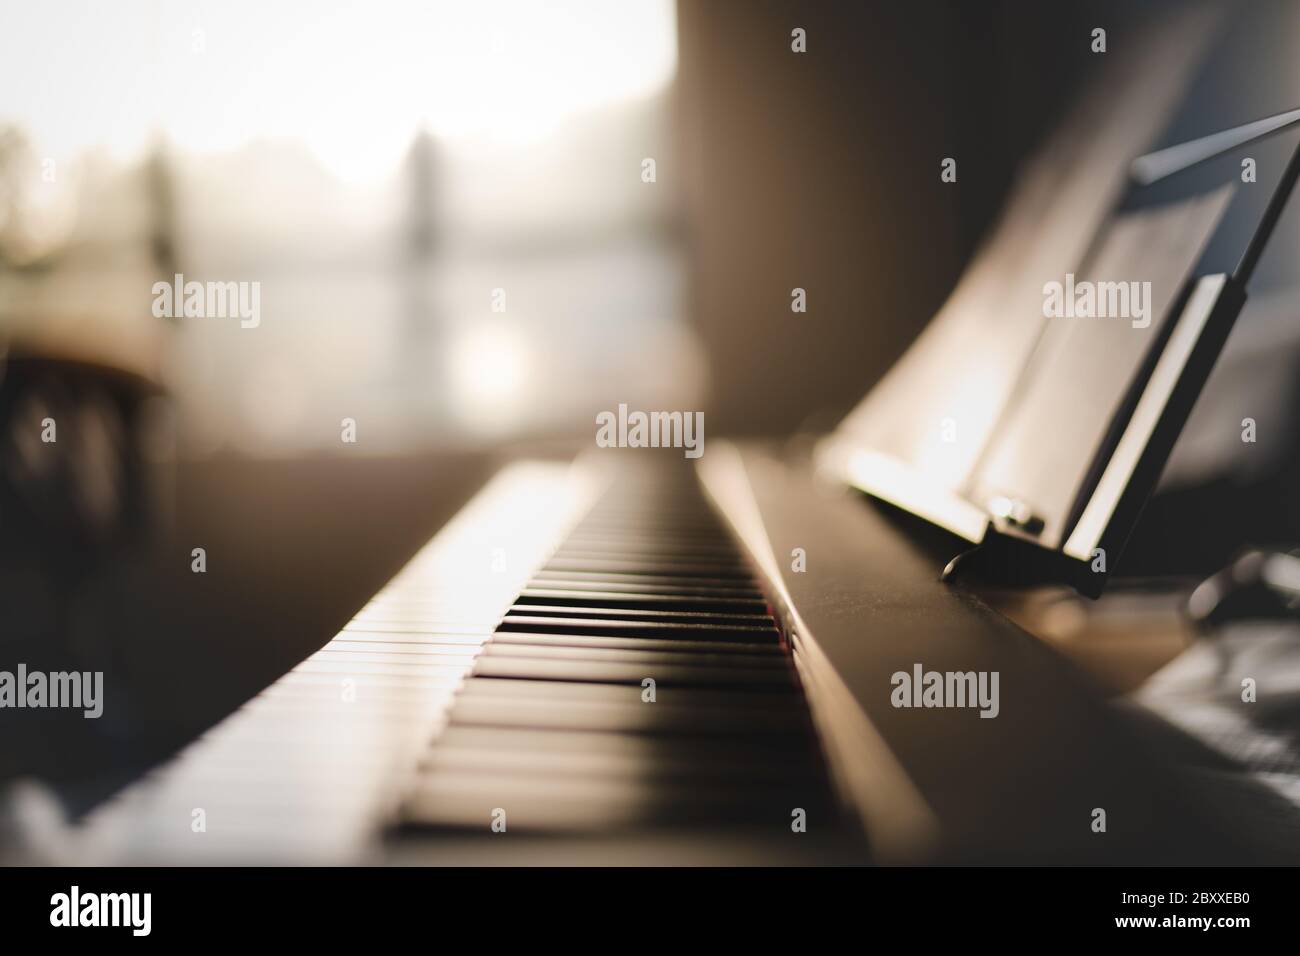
x=639, y=680
x=306, y=771
x=628, y=680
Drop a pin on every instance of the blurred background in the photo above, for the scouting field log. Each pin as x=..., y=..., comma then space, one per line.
x=382, y=170
x=460, y=246
x=444, y=203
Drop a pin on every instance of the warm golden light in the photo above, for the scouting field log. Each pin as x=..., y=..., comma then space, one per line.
x=353, y=83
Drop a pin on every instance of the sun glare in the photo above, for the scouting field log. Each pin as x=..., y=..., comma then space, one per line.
x=351, y=82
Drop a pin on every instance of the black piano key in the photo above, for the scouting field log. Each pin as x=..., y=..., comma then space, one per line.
x=614, y=628
x=664, y=675
x=649, y=765
x=651, y=545
x=561, y=597
x=777, y=729
x=643, y=657
x=629, y=584
x=787, y=754
x=783, y=703
x=635, y=643
x=542, y=803
x=647, y=569
x=654, y=557
x=656, y=615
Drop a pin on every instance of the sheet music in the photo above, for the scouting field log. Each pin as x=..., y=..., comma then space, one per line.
x=1080, y=374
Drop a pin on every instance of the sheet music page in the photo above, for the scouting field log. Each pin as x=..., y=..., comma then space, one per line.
x=936, y=408
x=1100, y=326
